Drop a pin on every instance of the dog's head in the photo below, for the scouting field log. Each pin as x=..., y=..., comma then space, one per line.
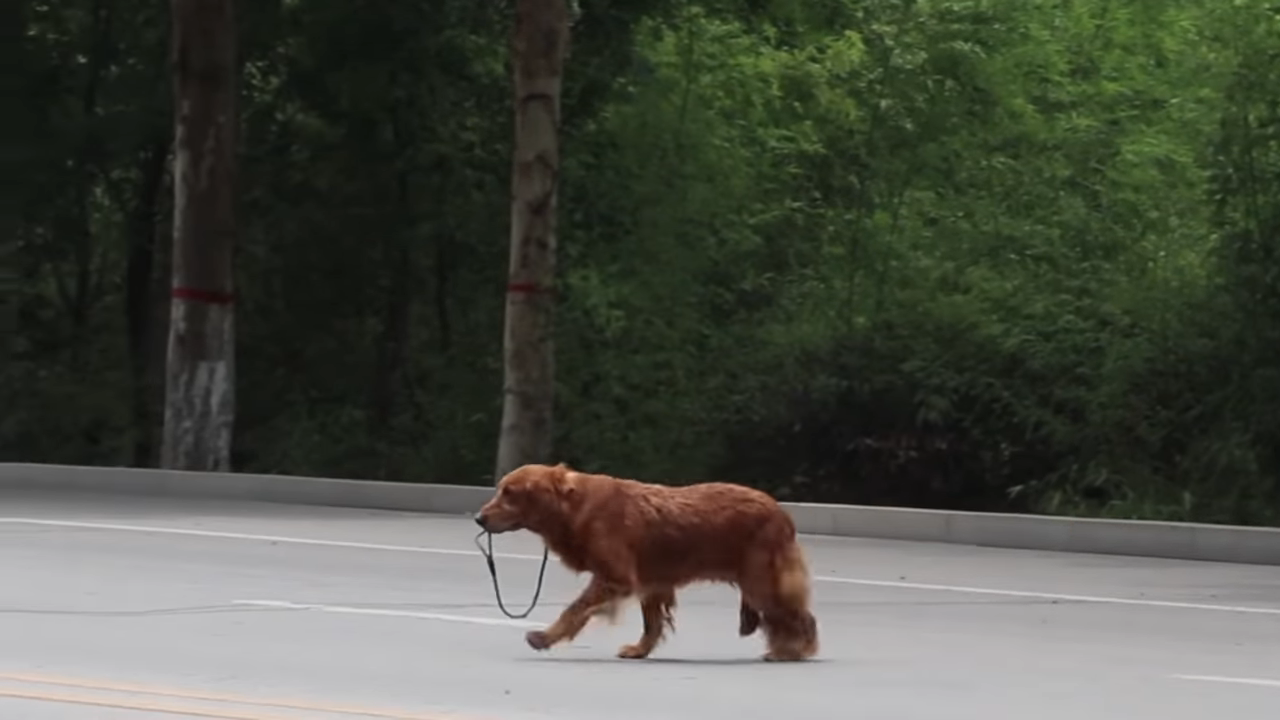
x=526, y=497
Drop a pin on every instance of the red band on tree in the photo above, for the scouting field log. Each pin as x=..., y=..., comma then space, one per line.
x=209, y=297
x=527, y=288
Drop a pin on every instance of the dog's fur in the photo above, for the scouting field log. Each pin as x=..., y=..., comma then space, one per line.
x=648, y=540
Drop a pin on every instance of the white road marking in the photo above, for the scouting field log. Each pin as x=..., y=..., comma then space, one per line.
x=346, y=610
x=251, y=536
x=1051, y=596
x=1234, y=680
x=517, y=556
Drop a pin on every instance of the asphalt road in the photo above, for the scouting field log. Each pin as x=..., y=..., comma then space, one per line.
x=114, y=608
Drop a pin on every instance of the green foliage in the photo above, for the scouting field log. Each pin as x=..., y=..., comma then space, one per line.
x=996, y=254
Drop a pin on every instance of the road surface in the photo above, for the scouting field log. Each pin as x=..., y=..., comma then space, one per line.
x=140, y=608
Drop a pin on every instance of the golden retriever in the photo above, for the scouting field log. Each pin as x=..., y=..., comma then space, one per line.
x=647, y=540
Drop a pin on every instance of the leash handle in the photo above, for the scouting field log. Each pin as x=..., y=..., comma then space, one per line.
x=493, y=573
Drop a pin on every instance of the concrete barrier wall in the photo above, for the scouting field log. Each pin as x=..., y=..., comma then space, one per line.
x=1187, y=541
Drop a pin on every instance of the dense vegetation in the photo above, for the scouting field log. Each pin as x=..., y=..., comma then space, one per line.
x=998, y=254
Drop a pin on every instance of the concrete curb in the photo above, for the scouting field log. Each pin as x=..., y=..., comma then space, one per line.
x=1179, y=541
x=1183, y=541
x=371, y=494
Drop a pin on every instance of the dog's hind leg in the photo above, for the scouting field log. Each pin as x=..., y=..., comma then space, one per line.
x=748, y=618
x=657, y=608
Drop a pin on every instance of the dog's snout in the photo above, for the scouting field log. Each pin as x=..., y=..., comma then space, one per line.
x=482, y=521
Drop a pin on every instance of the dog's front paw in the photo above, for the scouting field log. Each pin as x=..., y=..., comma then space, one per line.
x=537, y=639
x=633, y=652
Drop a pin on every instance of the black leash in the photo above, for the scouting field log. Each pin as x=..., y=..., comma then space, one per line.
x=493, y=573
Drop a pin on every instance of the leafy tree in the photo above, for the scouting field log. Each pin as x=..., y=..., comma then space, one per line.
x=539, y=46
x=1007, y=255
x=200, y=388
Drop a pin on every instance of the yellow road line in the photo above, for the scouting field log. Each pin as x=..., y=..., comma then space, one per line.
x=215, y=697
x=138, y=705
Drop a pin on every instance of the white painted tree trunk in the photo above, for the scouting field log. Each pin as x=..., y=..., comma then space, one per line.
x=200, y=373
x=540, y=43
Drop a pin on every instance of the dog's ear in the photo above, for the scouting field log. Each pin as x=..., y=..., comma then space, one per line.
x=566, y=483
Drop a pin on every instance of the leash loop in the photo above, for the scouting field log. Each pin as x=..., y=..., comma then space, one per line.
x=493, y=573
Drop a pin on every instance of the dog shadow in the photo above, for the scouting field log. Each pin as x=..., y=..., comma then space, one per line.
x=673, y=661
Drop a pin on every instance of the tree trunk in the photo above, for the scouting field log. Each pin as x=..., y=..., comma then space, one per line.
x=200, y=382
x=139, y=299
x=17, y=144
x=78, y=296
x=540, y=43
x=391, y=352
x=392, y=346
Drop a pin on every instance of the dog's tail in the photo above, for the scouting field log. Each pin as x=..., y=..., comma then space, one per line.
x=783, y=560
x=793, y=594
x=791, y=573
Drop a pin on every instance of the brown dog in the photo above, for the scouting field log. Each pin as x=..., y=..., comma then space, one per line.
x=647, y=540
